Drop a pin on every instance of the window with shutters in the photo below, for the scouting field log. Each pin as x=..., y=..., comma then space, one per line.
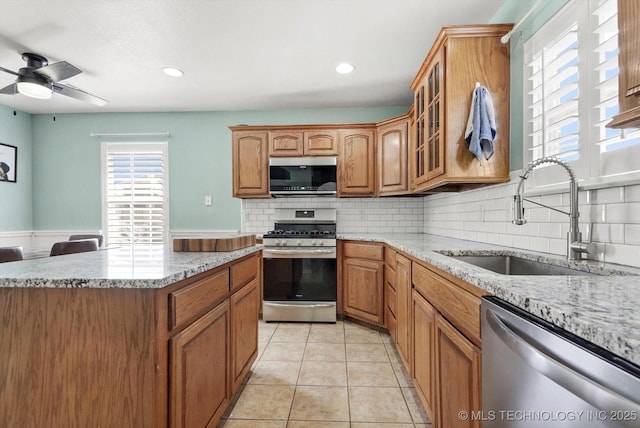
x=135, y=208
x=571, y=78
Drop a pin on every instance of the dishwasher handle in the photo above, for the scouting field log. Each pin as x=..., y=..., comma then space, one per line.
x=568, y=377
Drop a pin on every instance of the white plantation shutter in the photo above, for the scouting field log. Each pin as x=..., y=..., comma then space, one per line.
x=571, y=73
x=135, y=210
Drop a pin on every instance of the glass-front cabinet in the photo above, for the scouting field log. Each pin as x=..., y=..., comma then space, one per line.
x=433, y=134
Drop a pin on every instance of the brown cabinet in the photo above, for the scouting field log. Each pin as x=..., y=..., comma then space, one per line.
x=244, y=331
x=390, y=297
x=446, y=345
x=199, y=357
x=128, y=357
x=356, y=162
x=392, y=149
x=403, y=314
x=250, y=164
x=303, y=143
x=629, y=61
x=458, y=382
x=423, y=355
x=439, y=155
x=363, y=286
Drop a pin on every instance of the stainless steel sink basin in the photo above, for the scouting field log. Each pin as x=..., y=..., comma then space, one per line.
x=512, y=265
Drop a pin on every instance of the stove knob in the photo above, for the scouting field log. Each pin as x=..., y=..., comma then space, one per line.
x=314, y=243
x=321, y=243
x=283, y=243
x=299, y=243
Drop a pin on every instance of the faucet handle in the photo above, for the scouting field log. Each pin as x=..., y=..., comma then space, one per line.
x=585, y=247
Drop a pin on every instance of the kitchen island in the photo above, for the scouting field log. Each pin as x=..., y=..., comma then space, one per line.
x=126, y=337
x=600, y=308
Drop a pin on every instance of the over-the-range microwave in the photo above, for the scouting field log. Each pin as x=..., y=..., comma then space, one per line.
x=302, y=176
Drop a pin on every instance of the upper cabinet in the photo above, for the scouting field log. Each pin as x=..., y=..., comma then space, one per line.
x=629, y=62
x=250, y=164
x=391, y=150
x=356, y=162
x=461, y=56
x=303, y=143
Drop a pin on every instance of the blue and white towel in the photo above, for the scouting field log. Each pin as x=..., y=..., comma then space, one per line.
x=481, y=126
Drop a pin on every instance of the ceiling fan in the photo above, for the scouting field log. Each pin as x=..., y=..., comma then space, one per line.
x=39, y=79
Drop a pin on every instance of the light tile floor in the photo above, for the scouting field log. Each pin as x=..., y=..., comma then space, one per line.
x=326, y=375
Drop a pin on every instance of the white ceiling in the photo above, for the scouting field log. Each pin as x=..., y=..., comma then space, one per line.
x=236, y=54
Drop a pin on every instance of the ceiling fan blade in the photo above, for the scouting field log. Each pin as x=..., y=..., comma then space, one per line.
x=78, y=94
x=59, y=71
x=6, y=70
x=9, y=90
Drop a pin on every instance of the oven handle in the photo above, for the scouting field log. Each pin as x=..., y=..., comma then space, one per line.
x=273, y=253
x=311, y=305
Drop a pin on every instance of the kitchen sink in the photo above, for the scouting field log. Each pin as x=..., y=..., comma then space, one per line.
x=513, y=265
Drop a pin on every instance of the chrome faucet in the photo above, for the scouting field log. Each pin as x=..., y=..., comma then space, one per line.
x=575, y=246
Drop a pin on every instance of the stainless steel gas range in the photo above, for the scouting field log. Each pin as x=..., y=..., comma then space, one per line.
x=300, y=269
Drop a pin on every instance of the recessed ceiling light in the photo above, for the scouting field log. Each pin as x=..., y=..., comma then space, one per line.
x=173, y=72
x=344, y=68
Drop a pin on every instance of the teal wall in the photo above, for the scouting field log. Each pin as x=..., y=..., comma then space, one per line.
x=66, y=161
x=15, y=198
x=513, y=11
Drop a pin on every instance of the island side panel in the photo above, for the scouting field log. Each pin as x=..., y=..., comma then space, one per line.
x=78, y=357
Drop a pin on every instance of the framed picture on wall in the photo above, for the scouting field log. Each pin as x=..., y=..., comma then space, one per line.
x=8, y=162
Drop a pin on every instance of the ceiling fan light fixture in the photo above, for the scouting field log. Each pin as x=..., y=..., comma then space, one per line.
x=31, y=87
x=173, y=72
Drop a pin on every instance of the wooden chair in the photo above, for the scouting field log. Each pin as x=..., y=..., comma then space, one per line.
x=10, y=254
x=71, y=247
x=100, y=238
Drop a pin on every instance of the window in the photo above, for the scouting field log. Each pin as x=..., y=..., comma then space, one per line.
x=135, y=207
x=571, y=73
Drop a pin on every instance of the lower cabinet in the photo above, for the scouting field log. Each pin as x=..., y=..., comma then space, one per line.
x=213, y=342
x=424, y=329
x=403, y=314
x=363, y=285
x=458, y=383
x=199, y=357
x=244, y=332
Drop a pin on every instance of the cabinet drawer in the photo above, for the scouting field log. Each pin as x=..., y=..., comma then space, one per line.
x=390, y=256
x=195, y=298
x=391, y=324
x=243, y=272
x=363, y=251
x=461, y=308
x=390, y=276
x=391, y=299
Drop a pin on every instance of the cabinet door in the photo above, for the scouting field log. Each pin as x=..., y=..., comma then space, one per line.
x=250, y=165
x=392, y=157
x=356, y=163
x=418, y=151
x=199, y=370
x=403, y=309
x=244, y=331
x=434, y=131
x=284, y=143
x=424, y=327
x=458, y=376
x=320, y=143
x=363, y=290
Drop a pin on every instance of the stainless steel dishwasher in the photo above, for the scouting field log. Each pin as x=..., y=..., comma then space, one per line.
x=535, y=374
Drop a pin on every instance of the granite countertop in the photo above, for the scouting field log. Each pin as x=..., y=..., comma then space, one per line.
x=602, y=308
x=125, y=267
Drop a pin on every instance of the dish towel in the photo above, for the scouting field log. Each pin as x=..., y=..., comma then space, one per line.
x=481, y=126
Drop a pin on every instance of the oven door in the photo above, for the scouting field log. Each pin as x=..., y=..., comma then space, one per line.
x=300, y=284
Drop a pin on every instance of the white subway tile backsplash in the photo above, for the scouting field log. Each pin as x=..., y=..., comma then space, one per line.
x=614, y=212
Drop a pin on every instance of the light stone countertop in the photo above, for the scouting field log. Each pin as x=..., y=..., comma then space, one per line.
x=125, y=267
x=602, y=309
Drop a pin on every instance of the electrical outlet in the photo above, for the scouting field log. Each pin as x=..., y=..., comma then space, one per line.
x=208, y=200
